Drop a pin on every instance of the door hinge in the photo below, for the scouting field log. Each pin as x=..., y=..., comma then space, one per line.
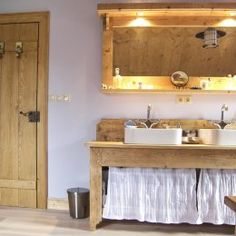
x=2, y=48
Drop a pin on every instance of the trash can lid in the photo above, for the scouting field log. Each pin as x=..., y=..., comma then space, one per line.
x=77, y=190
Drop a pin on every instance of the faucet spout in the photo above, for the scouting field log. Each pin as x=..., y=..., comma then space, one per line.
x=223, y=109
x=149, y=111
x=148, y=123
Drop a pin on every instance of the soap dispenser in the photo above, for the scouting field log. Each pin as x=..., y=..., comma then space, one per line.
x=117, y=80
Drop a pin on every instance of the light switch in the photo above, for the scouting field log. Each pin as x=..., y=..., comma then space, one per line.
x=60, y=98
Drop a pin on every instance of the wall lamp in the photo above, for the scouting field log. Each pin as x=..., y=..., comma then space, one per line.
x=210, y=37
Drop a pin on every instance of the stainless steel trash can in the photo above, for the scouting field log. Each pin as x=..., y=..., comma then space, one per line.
x=78, y=202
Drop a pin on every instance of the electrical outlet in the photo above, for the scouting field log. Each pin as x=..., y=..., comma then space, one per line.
x=188, y=99
x=184, y=99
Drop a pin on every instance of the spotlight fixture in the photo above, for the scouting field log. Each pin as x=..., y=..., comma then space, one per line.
x=210, y=37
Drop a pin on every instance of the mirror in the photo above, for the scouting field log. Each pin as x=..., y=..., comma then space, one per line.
x=144, y=51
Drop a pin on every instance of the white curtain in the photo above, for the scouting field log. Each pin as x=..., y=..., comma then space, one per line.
x=214, y=185
x=153, y=195
x=169, y=195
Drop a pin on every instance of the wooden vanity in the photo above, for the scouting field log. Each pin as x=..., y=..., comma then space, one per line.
x=117, y=154
x=119, y=23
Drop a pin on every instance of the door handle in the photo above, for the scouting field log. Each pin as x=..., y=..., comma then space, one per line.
x=33, y=116
x=24, y=113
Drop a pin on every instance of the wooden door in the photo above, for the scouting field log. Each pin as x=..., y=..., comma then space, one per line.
x=18, y=136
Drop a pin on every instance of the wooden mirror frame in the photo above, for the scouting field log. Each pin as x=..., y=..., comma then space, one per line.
x=162, y=15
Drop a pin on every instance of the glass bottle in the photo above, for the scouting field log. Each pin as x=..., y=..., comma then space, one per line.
x=117, y=80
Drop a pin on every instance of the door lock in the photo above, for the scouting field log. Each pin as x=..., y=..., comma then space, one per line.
x=33, y=116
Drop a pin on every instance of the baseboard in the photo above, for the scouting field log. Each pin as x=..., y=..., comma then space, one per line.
x=58, y=204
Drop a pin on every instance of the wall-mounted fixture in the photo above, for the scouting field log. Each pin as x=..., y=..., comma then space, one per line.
x=60, y=98
x=148, y=42
x=210, y=37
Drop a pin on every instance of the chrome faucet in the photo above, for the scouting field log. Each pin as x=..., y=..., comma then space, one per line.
x=149, y=111
x=224, y=108
x=148, y=123
x=138, y=124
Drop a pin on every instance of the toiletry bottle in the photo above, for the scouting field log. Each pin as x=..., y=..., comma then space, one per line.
x=209, y=83
x=140, y=85
x=229, y=82
x=204, y=84
x=118, y=80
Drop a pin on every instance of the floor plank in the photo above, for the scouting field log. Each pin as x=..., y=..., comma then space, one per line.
x=29, y=222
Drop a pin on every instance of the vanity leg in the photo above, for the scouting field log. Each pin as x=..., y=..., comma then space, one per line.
x=92, y=226
x=95, y=189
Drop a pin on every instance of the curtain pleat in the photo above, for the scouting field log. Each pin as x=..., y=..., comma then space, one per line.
x=169, y=195
x=214, y=185
x=153, y=195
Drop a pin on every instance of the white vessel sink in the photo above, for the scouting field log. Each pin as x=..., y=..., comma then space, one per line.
x=217, y=136
x=153, y=136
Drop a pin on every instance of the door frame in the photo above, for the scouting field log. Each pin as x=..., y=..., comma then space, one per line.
x=42, y=18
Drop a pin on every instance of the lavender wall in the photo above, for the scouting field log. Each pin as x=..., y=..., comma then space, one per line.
x=75, y=69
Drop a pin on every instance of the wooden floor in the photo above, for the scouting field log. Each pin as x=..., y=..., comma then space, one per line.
x=28, y=222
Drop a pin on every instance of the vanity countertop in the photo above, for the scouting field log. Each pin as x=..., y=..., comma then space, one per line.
x=181, y=146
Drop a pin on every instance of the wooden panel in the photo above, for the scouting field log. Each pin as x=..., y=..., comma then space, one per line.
x=169, y=91
x=160, y=84
x=9, y=117
x=110, y=130
x=42, y=145
x=230, y=201
x=107, y=56
x=58, y=204
x=169, y=158
x=113, y=129
x=28, y=102
x=9, y=197
x=173, y=21
x=118, y=145
x=169, y=5
x=166, y=9
x=10, y=32
x=17, y=184
x=27, y=198
x=29, y=32
x=95, y=189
